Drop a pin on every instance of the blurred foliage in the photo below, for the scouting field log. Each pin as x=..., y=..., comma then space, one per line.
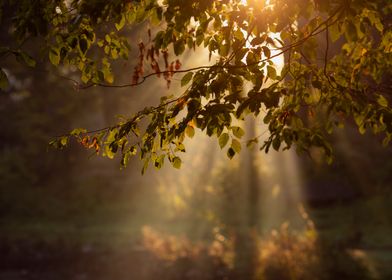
x=291, y=255
x=283, y=254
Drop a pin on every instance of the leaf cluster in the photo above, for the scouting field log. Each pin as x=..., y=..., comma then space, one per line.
x=337, y=69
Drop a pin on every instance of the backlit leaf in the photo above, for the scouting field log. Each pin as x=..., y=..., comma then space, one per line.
x=236, y=145
x=237, y=131
x=54, y=57
x=176, y=162
x=382, y=101
x=223, y=139
x=186, y=79
x=190, y=131
x=271, y=72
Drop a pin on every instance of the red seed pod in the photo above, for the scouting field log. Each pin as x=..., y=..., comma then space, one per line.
x=141, y=48
x=158, y=71
x=93, y=143
x=152, y=52
x=85, y=141
x=166, y=75
x=166, y=57
x=178, y=65
x=171, y=69
x=149, y=54
x=155, y=67
x=135, y=76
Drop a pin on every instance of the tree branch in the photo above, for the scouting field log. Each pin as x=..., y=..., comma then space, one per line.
x=283, y=50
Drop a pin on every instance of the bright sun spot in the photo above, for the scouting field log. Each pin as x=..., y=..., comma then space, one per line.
x=266, y=2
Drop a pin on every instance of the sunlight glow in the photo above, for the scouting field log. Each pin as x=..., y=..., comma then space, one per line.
x=262, y=3
x=210, y=189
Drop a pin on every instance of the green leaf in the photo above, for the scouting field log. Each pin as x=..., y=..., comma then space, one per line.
x=133, y=150
x=236, y=145
x=180, y=147
x=386, y=141
x=329, y=159
x=176, y=162
x=145, y=166
x=335, y=32
x=78, y=131
x=276, y=143
x=223, y=139
x=108, y=75
x=64, y=140
x=85, y=77
x=179, y=47
x=381, y=100
x=83, y=46
x=110, y=144
x=54, y=57
x=230, y=153
x=250, y=143
x=237, y=131
x=108, y=152
x=59, y=143
x=121, y=24
x=270, y=99
x=186, y=79
x=257, y=41
x=125, y=159
x=374, y=19
x=23, y=57
x=351, y=31
x=156, y=16
x=271, y=72
x=159, y=161
x=362, y=129
x=190, y=131
x=3, y=80
x=266, y=51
